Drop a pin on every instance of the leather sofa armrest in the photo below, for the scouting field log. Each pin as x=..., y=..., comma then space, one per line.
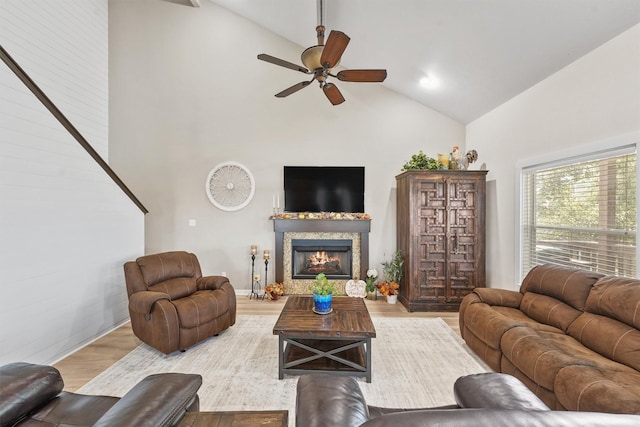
x=495, y=391
x=502, y=418
x=501, y=297
x=158, y=400
x=142, y=302
x=211, y=283
x=325, y=400
x=25, y=387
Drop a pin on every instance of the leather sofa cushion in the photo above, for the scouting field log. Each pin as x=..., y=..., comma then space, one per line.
x=613, y=339
x=71, y=409
x=176, y=288
x=489, y=323
x=617, y=298
x=547, y=396
x=585, y=388
x=548, y=310
x=540, y=354
x=564, y=284
x=201, y=307
x=168, y=265
x=26, y=387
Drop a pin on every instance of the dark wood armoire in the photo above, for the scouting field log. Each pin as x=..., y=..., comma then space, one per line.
x=441, y=235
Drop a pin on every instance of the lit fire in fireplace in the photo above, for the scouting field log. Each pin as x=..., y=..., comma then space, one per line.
x=322, y=262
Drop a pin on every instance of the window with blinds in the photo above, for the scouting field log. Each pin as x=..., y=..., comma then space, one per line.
x=581, y=212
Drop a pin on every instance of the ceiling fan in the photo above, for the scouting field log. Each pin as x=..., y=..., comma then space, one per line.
x=319, y=61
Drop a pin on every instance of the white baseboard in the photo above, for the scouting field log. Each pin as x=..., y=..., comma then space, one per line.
x=90, y=341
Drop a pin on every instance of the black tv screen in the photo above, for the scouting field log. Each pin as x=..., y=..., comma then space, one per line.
x=324, y=189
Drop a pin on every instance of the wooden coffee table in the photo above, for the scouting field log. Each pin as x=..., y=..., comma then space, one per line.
x=336, y=343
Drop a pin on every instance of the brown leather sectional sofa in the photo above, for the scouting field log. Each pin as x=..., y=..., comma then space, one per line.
x=572, y=336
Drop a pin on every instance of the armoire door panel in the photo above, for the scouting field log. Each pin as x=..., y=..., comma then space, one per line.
x=441, y=236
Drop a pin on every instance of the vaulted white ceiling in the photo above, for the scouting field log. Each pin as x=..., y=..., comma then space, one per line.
x=481, y=52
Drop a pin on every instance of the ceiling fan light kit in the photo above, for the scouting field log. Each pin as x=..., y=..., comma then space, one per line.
x=319, y=60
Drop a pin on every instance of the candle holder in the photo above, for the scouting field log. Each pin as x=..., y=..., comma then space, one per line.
x=266, y=267
x=255, y=284
x=266, y=264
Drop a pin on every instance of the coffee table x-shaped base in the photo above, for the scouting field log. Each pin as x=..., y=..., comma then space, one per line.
x=334, y=355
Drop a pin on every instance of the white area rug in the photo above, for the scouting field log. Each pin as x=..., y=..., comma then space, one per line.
x=415, y=363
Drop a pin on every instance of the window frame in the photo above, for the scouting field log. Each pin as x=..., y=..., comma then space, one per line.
x=586, y=152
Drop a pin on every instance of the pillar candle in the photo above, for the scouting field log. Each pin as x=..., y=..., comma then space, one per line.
x=266, y=254
x=254, y=249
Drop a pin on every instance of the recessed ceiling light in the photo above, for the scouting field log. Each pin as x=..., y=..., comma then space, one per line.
x=429, y=82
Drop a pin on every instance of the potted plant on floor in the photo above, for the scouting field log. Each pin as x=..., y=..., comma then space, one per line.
x=372, y=291
x=323, y=291
x=393, y=274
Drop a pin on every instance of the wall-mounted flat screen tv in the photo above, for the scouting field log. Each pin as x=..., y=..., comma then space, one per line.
x=324, y=189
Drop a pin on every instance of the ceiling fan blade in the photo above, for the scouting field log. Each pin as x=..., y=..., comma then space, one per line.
x=362, y=75
x=293, y=89
x=334, y=48
x=282, y=63
x=333, y=94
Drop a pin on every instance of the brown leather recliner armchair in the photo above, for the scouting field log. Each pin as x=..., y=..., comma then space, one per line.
x=172, y=306
x=31, y=395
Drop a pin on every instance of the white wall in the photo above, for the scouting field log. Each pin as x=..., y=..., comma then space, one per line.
x=65, y=227
x=590, y=102
x=187, y=92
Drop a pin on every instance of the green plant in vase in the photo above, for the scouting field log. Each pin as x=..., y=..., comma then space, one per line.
x=323, y=291
x=370, y=280
x=322, y=286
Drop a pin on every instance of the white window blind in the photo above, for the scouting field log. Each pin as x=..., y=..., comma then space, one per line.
x=581, y=212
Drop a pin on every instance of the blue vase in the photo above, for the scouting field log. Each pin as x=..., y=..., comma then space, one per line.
x=322, y=303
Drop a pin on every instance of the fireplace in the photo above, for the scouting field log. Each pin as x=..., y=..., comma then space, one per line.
x=309, y=257
x=356, y=231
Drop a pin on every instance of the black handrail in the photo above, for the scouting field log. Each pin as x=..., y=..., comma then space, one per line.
x=33, y=87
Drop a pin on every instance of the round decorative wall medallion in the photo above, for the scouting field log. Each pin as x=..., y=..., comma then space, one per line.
x=230, y=186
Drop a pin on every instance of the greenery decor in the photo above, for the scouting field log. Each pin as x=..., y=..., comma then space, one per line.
x=372, y=276
x=393, y=269
x=420, y=161
x=322, y=285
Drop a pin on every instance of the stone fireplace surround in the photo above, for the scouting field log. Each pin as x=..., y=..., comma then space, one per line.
x=356, y=230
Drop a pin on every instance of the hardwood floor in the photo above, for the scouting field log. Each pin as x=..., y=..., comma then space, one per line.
x=81, y=366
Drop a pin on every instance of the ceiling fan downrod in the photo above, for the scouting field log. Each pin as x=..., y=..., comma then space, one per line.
x=320, y=27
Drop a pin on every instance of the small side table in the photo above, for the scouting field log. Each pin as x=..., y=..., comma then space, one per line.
x=236, y=419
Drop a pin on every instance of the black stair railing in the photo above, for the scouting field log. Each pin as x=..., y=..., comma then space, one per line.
x=49, y=105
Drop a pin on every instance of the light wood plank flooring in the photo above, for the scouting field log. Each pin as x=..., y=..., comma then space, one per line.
x=83, y=365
